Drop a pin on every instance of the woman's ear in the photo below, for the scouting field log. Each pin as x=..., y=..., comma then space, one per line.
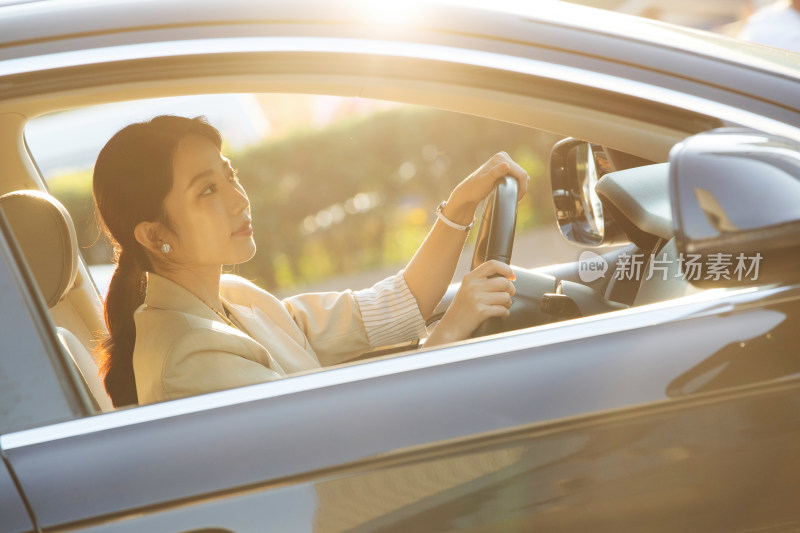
x=148, y=234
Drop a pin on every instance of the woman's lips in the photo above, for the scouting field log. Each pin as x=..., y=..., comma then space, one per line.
x=245, y=230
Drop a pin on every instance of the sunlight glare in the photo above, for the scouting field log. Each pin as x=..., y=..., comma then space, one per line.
x=390, y=12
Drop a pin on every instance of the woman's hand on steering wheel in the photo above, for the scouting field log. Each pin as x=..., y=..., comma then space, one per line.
x=469, y=193
x=484, y=293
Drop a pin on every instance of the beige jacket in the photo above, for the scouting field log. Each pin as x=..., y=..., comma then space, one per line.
x=183, y=348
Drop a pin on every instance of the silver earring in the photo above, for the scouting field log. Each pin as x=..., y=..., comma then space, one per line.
x=165, y=248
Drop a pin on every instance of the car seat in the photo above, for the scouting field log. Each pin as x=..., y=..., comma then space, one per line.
x=46, y=236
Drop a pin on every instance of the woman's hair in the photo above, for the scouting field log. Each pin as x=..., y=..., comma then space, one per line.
x=132, y=176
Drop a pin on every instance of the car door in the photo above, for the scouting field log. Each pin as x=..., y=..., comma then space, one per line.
x=561, y=426
x=721, y=454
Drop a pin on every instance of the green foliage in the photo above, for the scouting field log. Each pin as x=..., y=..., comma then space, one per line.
x=411, y=157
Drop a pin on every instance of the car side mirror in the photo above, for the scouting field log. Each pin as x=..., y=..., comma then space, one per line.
x=736, y=207
x=575, y=168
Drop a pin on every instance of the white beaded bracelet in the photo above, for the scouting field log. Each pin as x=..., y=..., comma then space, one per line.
x=449, y=222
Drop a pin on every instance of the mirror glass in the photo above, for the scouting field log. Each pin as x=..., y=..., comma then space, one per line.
x=575, y=169
x=586, y=172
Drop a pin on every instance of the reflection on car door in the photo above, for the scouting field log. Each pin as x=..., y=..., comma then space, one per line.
x=578, y=430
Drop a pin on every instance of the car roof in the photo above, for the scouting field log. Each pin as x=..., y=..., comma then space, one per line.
x=645, y=30
x=55, y=46
x=43, y=21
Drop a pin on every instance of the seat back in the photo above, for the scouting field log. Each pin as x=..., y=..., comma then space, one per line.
x=46, y=236
x=87, y=369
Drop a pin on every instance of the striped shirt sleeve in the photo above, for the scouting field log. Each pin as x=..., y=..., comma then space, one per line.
x=390, y=312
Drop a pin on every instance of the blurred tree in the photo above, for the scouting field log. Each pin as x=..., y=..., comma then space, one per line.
x=411, y=157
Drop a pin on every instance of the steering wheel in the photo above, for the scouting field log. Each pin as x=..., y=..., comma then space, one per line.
x=496, y=237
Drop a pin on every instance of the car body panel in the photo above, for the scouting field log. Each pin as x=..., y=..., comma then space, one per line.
x=15, y=517
x=101, y=22
x=725, y=463
x=265, y=445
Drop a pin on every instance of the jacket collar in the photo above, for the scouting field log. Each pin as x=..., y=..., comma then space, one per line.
x=163, y=293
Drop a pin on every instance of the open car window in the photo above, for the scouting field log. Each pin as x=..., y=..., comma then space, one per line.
x=343, y=190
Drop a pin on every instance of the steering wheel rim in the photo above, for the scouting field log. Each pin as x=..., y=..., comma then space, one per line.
x=498, y=224
x=496, y=238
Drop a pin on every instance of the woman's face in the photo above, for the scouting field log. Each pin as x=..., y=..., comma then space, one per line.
x=208, y=208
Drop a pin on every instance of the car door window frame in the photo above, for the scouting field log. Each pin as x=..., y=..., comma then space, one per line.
x=45, y=386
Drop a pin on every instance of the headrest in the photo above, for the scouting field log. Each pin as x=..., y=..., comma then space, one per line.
x=46, y=236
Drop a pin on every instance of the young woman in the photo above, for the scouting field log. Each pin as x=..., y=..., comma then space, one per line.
x=175, y=211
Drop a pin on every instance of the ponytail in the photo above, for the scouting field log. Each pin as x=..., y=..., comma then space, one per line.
x=132, y=176
x=125, y=294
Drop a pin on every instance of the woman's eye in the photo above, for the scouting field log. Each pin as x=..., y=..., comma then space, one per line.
x=211, y=189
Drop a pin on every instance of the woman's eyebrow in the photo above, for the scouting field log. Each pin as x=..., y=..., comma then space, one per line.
x=198, y=177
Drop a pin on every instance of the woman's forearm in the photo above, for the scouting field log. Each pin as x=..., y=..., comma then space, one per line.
x=431, y=270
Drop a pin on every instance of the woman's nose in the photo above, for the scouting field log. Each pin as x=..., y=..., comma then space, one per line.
x=239, y=200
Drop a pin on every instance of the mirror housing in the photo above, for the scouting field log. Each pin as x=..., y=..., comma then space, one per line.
x=575, y=168
x=735, y=198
